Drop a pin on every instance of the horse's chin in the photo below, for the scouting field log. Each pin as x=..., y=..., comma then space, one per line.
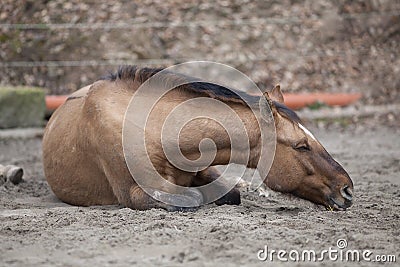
x=334, y=204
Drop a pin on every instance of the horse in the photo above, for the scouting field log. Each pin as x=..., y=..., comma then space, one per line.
x=84, y=161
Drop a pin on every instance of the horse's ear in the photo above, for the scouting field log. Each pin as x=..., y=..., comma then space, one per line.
x=276, y=94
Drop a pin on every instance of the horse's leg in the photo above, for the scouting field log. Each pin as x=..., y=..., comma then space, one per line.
x=211, y=174
x=133, y=196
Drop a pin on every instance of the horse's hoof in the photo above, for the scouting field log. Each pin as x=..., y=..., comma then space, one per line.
x=183, y=201
x=13, y=173
x=188, y=200
x=181, y=209
x=231, y=198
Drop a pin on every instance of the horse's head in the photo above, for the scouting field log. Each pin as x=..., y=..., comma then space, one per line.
x=301, y=165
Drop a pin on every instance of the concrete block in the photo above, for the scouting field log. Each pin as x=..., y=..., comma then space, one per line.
x=21, y=106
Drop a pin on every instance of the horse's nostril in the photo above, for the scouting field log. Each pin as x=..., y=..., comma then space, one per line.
x=346, y=192
x=349, y=191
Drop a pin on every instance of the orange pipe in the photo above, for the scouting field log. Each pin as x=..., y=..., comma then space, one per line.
x=294, y=101
x=54, y=101
x=297, y=101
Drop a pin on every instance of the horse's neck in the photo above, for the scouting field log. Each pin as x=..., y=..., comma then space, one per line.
x=242, y=140
x=251, y=154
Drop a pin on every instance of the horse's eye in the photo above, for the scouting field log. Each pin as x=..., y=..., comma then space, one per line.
x=302, y=147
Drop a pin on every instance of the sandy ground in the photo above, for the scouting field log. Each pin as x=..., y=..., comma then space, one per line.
x=37, y=229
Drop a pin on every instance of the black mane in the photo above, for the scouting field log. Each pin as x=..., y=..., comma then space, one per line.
x=130, y=72
x=206, y=88
x=287, y=112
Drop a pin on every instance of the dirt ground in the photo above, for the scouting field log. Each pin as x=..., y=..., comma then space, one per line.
x=37, y=229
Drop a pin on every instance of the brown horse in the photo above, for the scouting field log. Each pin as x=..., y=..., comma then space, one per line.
x=84, y=161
